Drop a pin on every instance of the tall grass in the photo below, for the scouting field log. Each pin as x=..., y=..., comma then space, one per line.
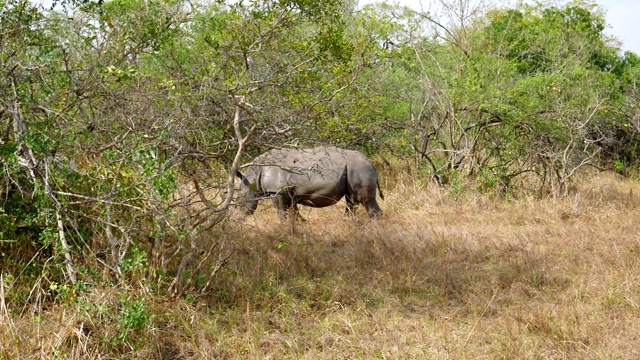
x=441, y=275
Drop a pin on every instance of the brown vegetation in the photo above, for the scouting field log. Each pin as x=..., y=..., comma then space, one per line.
x=442, y=275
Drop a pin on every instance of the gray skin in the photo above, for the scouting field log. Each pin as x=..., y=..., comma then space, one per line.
x=315, y=177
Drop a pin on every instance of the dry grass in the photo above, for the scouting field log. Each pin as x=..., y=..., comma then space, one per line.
x=440, y=276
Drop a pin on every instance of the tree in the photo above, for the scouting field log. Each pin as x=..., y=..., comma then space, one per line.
x=515, y=92
x=148, y=107
x=34, y=93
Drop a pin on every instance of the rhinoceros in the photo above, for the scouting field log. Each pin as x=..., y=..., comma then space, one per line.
x=316, y=177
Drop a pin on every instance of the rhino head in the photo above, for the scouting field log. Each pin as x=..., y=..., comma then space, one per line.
x=249, y=193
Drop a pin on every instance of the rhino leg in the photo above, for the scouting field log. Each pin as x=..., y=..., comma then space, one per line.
x=373, y=208
x=350, y=210
x=287, y=210
x=283, y=204
x=366, y=197
x=287, y=207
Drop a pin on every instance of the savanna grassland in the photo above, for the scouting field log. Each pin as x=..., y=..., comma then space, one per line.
x=443, y=275
x=123, y=125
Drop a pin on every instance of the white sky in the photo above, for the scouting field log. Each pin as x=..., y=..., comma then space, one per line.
x=623, y=18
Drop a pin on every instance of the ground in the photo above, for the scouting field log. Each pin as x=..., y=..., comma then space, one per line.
x=442, y=275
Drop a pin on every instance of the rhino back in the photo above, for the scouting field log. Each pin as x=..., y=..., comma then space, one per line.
x=313, y=173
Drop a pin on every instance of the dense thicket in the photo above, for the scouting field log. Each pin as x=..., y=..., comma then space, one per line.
x=123, y=122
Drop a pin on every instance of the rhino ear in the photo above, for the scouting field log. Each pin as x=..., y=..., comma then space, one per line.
x=243, y=178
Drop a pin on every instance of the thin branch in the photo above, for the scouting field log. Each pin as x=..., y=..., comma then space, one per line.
x=94, y=199
x=242, y=142
x=65, y=248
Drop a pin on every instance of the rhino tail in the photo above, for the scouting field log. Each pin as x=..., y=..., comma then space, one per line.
x=379, y=189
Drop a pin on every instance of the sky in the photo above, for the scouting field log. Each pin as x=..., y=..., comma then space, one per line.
x=623, y=19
